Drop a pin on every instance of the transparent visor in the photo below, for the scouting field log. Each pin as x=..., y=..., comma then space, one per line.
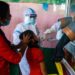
x=31, y=15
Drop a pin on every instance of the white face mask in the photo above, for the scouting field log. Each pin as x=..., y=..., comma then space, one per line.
x=29, y=20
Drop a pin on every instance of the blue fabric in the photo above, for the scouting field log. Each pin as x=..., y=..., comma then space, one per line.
x=45, y=6
x=17, y=32
x=33, y=12
x=29, y=11
x=5, y=24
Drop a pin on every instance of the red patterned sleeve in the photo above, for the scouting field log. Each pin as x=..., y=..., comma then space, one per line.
x=7, y=53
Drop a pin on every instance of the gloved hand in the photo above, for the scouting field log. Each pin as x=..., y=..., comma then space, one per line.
x=48, y=31
x=43, y=37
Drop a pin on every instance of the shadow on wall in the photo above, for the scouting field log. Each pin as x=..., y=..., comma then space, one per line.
x=45, y=19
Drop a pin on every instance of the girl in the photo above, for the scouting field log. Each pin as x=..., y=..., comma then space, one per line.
x=34, y=55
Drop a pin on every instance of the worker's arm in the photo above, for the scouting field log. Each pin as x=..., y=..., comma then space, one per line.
x=54, y=28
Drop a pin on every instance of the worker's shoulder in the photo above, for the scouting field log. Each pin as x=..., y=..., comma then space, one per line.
x=19, y=25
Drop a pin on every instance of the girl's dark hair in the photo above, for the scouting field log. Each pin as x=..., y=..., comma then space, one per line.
x=27, y=32
x=30, y=44
x=4, y=8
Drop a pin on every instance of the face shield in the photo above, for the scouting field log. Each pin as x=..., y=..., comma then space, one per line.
x=30, y=16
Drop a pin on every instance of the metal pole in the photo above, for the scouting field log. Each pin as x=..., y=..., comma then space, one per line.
x=67, y=8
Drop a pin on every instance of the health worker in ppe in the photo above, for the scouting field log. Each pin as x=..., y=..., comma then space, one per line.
x=59, y=28
x=28, y=24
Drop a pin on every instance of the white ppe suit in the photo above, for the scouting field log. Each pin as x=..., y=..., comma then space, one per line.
x=26, y=25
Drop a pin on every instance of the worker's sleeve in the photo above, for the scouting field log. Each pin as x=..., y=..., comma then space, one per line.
x=59, y=34
x=7, y=53
x=16, y=33
x=55, y=27
x=16, y=39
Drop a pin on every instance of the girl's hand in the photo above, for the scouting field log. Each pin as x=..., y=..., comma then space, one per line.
x=26, y=38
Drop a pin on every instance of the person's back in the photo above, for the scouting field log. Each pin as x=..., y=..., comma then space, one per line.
x=34, y=57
